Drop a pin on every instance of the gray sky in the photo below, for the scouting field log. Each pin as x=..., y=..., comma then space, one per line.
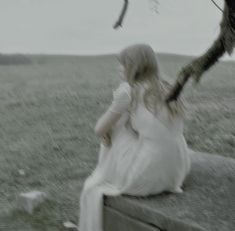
x=85, y=26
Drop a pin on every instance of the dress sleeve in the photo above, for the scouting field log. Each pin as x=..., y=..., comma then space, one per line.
x=121, y=98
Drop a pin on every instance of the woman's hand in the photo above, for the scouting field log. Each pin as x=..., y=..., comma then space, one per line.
x=106, y=139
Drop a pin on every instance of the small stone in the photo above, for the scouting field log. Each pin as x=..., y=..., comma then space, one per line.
x=29, y=201
x=69, y=225
x=21, y=172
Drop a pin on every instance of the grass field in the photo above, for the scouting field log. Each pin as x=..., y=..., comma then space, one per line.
x=48, y=110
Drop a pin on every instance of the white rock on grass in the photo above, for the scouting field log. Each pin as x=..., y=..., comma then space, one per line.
x=69, y=225
x=29, y=201
x=21, y=172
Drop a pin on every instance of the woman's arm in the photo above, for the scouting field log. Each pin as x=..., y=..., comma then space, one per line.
x=120, y=104
x=105, y=122
x=104, y=125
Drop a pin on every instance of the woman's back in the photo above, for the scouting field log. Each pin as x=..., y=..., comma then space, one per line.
x=155, y=127
x=160, y=160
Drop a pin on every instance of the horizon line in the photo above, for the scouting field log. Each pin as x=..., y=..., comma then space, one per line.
x=228, y=58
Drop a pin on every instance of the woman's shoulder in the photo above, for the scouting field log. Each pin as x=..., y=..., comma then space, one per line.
x=121, y=98
x=125, y=86
x=123, y=90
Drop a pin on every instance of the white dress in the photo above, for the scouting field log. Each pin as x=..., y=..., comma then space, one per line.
x=155, y=161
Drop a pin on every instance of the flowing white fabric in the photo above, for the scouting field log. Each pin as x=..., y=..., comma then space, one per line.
x=155, y=161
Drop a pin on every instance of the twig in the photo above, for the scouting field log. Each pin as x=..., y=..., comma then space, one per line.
x=122, y=15
x=217, y=5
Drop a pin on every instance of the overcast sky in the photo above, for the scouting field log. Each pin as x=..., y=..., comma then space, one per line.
x=85, y=26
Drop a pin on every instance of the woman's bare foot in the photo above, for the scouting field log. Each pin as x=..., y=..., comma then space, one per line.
x=177, y=190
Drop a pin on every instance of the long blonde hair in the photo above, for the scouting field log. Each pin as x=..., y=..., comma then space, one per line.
x=141, y=66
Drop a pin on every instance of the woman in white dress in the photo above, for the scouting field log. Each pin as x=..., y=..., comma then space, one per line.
x=143, y=150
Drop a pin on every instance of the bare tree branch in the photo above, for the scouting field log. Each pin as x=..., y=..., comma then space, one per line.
x=196, y=68
x=224, y=43
x=122, y=15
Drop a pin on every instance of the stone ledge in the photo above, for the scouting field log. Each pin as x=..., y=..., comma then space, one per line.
x=207, y=204
x=124, y=222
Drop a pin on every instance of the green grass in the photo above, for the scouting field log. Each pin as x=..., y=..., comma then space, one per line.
x=48, y=111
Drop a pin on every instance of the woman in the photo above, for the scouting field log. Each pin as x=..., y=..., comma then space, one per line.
x=143, y=150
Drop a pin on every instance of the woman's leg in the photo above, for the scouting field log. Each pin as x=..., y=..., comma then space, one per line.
x=89, y=187
x=91, y=204
x=91, y=208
